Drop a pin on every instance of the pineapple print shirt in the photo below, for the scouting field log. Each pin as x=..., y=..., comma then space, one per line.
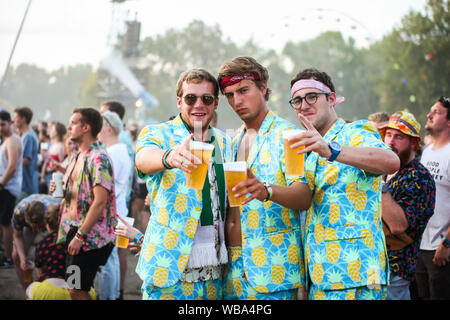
x=345, y=244
x=175, y=208
x=271, y=241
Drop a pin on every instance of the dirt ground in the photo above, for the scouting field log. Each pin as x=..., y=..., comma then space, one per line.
x=10, y=288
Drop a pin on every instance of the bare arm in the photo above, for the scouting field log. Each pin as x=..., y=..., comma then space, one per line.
x=393, y=214
x=20, y=247
x=92, y=217
x=233, y=228
x=13, y=151
x=442, y=255
x=297, y=196
x=96, y=209
x=26, y=161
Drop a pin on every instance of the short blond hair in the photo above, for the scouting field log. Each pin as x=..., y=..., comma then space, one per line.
x=196, y=76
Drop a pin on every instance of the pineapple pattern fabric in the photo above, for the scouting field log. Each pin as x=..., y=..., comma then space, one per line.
x=345, y=244
x=175, y=209
x=271, y=245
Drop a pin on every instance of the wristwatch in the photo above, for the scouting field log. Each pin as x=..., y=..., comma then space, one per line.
x=269, y=191
x=335, y=148
x=446, y=242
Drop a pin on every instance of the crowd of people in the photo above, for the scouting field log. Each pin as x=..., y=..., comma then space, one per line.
x=367, y=217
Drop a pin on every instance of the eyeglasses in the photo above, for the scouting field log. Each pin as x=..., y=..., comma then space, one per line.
x=191, y=99
x=310, y=99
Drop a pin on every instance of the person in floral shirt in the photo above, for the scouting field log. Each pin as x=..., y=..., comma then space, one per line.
x=345, y=248
x=88, y=210
x=408, y=202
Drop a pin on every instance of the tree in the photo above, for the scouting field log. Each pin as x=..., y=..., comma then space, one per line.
x=346, y=65
x=417, y=55
x=57, y=92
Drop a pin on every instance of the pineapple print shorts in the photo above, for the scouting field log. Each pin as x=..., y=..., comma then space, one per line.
x=236, y=286
x=360, y=293
x=201, y=290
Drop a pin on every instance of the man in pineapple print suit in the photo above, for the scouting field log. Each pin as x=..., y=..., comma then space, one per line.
x=345, y=250
x=183, y=252
x=263, y=235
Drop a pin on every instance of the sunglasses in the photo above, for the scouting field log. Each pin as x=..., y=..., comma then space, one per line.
x=191, y=99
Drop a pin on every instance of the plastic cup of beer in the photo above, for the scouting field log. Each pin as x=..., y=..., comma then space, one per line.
x=294, y=161
x=57, y=178
x=28, y=272
x=203, y=151
x=122, y=242
x=235, y=172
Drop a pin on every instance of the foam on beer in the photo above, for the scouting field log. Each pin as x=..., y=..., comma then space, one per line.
x=289, y=133
x=198, y=145
x=235, y=166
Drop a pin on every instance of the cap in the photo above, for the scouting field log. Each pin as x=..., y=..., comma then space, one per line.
x=113, y=120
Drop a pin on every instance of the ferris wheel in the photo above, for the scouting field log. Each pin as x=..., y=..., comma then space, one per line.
x=310, y=23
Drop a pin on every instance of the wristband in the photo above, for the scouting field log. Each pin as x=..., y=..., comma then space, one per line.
x=446, y=242
x=165, y=164
x=80, y=236
x=138, y=239
x=269, y=191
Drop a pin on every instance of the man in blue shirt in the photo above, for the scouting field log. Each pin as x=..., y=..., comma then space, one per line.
x=22, y=120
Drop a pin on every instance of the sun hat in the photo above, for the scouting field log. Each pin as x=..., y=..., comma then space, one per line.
x=404, y=122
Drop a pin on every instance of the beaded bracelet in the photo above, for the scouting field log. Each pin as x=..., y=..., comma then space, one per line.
x=139, y=239
x=165, y=164
x=80, y=236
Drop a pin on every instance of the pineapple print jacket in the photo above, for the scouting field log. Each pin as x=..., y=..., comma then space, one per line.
x=175, y=208
x=345, y=244
x=271, y=241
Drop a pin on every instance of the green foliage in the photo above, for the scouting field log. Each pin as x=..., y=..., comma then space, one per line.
x=416, y=54
x=57, y=91
x=408, y=68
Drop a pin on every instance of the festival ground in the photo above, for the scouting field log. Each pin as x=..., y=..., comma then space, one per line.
x=11, y=290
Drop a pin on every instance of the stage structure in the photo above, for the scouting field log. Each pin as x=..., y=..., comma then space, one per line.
x=122, y=75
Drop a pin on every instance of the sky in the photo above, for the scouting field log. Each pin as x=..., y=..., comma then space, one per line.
x=68, y=32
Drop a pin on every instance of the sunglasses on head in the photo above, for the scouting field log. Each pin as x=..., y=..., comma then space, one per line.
x=191, y=99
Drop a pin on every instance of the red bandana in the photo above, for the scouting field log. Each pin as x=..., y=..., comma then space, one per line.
x=229, y=81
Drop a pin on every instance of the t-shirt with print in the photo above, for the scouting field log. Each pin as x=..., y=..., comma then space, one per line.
x=438, y=163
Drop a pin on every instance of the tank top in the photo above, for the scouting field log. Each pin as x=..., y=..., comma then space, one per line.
x=14, y=185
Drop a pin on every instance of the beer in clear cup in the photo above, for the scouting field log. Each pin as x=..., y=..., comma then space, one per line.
x=122, y=242
x=294, y=161
x=203, y=151
x=235, y=172
x=28, y=272
x=57, y=178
